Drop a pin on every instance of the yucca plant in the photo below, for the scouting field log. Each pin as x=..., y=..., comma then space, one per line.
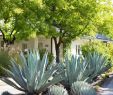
x=57, y=90
x=82, y=88
x=75, y=70
x=31, y=74
x=97, y=64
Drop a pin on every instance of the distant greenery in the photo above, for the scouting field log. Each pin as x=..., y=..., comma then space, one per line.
x=100, y=47
x=50, y=55
x=4, y=62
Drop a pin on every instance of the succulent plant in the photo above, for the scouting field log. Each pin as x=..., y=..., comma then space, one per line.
x=82, y=88
x=32, y=74
x=75, y=70
x=57, y=90
x=6, y=93
x=97, y=64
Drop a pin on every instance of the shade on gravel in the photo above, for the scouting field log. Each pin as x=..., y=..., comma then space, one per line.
x=107, y=87
x=5, y=87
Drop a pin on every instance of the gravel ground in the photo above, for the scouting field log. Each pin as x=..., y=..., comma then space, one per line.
x=107, y=87
x=5, y=87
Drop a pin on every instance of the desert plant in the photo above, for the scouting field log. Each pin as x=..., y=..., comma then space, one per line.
x=4, y=62
x=6, y=93
x=75, y=70
x=57, y=90
x=82, y=88
x=33, y=75
x=97, y=64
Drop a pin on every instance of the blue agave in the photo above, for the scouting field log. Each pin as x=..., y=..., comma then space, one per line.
x=31, y=74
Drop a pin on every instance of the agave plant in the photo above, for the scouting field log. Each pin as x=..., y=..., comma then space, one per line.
x=31, y=74
x=82, y=88
x=75, y=70
x=6, y=93
x=57, y=90
x=97, y=64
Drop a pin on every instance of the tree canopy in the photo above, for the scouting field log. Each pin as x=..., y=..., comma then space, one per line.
x=62, y=20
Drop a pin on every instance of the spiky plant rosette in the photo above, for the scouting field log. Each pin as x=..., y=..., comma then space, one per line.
x=82, y=88
x=32, y=74
x=57, y=90
x=75, y=70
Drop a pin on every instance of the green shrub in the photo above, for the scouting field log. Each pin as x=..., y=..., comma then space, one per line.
x=82, y=88
x=99, y=47
x=50, y=55
x=4, y=62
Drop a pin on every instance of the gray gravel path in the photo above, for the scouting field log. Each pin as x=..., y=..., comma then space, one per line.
x=107, y=87
x=5, y=87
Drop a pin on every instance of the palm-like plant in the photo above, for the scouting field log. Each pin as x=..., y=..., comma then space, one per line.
x=31, y=74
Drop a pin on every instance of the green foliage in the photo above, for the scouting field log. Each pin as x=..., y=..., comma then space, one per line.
x=99, y=47
x=82, y=88
x=33, y=75
x=57, y=90
x=4, y=62
x=71, y=17
x=50, y=55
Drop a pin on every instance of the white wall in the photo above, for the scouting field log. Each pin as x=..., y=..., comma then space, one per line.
x=75, y=46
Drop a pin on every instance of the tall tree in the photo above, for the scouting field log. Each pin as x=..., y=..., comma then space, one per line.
x=104, y=19
x=13, y=23
x=69, y=19
x=64, y=20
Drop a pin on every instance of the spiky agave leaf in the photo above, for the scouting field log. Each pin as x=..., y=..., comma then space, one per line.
x=74, y=70
x=57, y=90
x=34, y=74
x=82, y=88
x=97, y=64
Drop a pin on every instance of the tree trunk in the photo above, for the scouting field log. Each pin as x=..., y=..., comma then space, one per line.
x=57, y=48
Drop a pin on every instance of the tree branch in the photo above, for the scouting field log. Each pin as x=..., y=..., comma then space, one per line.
x=84, y=27
x=3, y=35
x=55, y=40
x=14, y=27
